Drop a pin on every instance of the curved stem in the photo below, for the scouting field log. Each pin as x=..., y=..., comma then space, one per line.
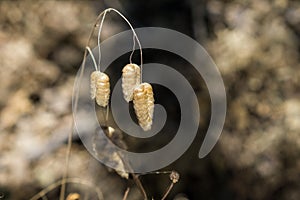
x=93, y=58
x=133, y=48
x=126, y=194
x=168, y=191
x=99, y=34
x=135, y=37
x=156, y=172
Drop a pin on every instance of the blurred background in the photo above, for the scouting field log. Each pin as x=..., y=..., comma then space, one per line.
x=256, y=46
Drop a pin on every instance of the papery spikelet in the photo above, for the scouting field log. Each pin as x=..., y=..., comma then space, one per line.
x=143, y=103
x=100, y=88
x=93, y=77
x=131, y=75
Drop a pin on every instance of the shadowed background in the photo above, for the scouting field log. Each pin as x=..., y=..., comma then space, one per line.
x=256, y=46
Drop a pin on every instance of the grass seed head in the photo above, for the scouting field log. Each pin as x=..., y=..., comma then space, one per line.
x=131, y=75
x=143, y=103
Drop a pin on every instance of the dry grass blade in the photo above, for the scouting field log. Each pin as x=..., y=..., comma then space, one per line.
x=42, y=193
x=126, y=194
x=108, y=152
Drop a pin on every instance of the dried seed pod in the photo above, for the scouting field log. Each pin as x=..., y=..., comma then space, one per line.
x=100, y=88
x=131, y=75
x=143, y=103
x=93, y=77
x=174, y=176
